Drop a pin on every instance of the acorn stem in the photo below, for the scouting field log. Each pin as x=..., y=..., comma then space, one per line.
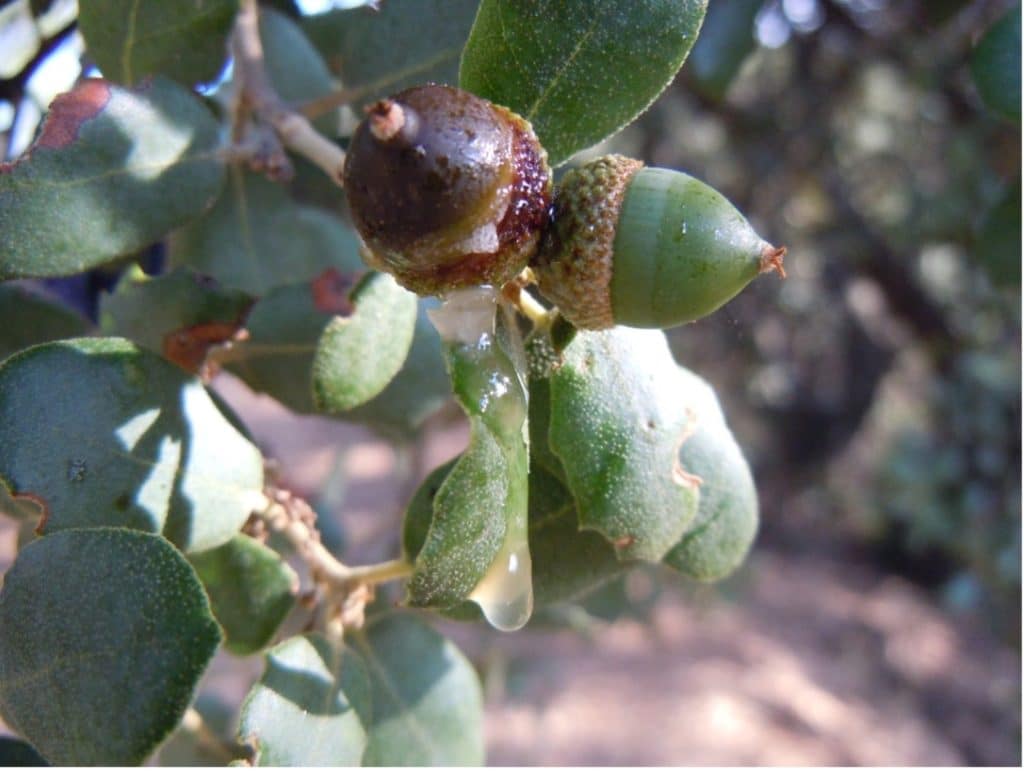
x=387, y=119
x=772, y=258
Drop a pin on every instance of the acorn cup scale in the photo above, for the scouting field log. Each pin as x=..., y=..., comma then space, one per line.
x=645, y=247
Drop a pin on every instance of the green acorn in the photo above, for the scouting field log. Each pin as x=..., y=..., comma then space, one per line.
x=645, y=247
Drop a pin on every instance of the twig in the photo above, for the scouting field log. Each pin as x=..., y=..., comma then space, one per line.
x=258, y=93
x=206, y=738
x=295, y=520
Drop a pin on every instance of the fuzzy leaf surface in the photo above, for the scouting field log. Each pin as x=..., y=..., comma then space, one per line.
x=329, y=345
x=617, y=423
x=151, y=451
x=256, y=238
x=482, y=502
x=427, y=701
x=578, y=70
x=379, y=52
x=104, y=634
x=250, y=589
x=417, y=391
x=726, y=522
x=183, y=39
x=311, y=707
x=112, y=171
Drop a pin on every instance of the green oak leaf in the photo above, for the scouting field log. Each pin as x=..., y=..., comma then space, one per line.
x=104, y=433
x=996, y=66
x=416, y=392
x=726, y=39
x=104, y=634
x=256, y=238
x=427, y=701
x=578, y=70
x=568, y=562
x=328, y=346
x=377, y=52
x=617, y=422
x=311, y=707
x=176, y=315
x=112, y=171
x=251, y=590
x=28, y=318
x=183, y=39
x=478, y=528
x=726, y=522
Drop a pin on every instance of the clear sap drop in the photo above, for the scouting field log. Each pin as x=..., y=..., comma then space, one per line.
x=505, y=593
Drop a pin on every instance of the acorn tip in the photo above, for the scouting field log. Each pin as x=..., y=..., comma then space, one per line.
x=386, y=118
x=772, y=259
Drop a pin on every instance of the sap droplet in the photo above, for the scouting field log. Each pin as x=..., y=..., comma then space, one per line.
x=682, y=228
x=505, y=593
x=76, y=470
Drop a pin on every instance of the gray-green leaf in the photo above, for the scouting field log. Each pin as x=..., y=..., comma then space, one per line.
x=112, y=171
x=617, y=422
x=330, y=345
x=311, y=707
x=578, y=70
x=251, y=590
x=183, y=39
x=427, y=704
x=257, y=238
x=104, y=433
x=478, y=529
x=177, y=315
x=104, y=634
x=726, y=522
x=379, y=52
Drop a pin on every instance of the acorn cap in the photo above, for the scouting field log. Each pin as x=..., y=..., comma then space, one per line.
x=645, y=247
x=574, y=263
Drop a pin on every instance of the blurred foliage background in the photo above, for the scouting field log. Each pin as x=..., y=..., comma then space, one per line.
x=877, y=391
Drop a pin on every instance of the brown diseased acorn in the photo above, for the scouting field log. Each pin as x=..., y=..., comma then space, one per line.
x=447, y=189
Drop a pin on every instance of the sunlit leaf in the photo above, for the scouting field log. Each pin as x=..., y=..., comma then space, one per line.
x=578, y=70
x=427, y=704
x=112, y=171
x=476, y=545
x=104, y=634
x=104, y=433
x=311, y=707
x=726, y=521
x=617, y=422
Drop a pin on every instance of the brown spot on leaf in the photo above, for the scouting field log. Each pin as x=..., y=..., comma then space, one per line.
x=188, y=347
x=331, y=290
x=69, y=111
